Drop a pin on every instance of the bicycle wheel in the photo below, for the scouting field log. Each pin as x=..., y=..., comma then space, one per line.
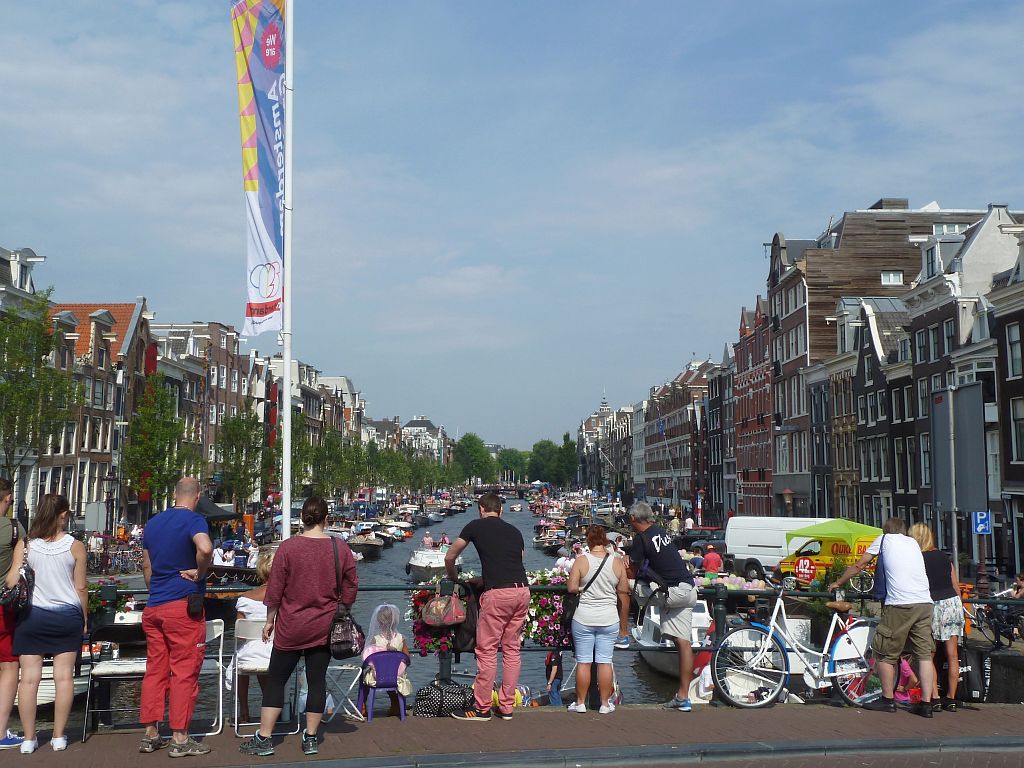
x=749, y=668
x=982, y=622
x=851, y=662
x=863, y=583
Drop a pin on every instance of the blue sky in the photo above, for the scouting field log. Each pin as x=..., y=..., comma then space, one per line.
x=501, y=209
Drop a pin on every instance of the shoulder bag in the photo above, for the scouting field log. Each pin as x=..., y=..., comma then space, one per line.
x=878, y=590
x=444, y=610
x=569, y=605
x=19, y=597
x=345, y=636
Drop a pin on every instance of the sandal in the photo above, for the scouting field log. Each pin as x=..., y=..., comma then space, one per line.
x=152, y=744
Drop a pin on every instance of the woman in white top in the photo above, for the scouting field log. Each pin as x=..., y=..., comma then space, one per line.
x=603, y=608
x=56, y=619
x=254, y=653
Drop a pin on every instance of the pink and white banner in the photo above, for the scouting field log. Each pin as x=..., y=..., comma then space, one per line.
x=258, y=27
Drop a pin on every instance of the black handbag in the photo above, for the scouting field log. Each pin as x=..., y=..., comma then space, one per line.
x=19, y=597
x=569, y=605
x=345, y=637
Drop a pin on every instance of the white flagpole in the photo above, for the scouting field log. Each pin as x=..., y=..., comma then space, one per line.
x=286, y=332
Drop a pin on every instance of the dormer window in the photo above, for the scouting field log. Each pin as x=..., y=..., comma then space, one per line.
x=931, y=262
x=950, y=228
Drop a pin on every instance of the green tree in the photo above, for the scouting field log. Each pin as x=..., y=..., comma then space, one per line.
x=155, y=454
x=243, y=456
x=545, y=462
x=512, y=463
x=36, y=400
x=353, y=467
x=568, y=461
x=326, y=464
x=474, y=459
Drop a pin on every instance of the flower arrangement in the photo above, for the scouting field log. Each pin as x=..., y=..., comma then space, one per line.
x=96, y=602
x=542, y=620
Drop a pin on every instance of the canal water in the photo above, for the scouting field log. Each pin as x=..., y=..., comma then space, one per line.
x=638, y=682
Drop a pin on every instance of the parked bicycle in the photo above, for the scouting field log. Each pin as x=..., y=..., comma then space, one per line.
x=754, y=662
x=996, y=622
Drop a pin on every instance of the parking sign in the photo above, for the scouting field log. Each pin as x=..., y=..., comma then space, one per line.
x=982, y=522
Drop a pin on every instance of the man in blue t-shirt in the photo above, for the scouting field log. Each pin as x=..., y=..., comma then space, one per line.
x=655, y=558
x=176, y=551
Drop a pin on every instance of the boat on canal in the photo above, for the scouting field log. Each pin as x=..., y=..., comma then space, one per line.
x=368, y=545
x=426, y=563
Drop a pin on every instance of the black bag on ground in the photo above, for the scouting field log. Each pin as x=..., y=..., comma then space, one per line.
x=973, y=684
x=442, y=699
x=465, y=633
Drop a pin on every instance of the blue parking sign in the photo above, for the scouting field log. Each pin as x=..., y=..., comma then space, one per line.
x=982, y=522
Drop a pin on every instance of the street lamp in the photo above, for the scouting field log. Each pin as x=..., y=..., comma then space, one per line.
x=109, y=487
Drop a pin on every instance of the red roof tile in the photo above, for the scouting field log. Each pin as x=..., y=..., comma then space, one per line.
x=122, y=314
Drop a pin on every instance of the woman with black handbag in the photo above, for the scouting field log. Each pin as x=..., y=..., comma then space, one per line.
x=312, y=574
x=599, y=579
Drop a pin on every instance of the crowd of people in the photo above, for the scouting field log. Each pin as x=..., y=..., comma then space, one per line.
x=306, y=578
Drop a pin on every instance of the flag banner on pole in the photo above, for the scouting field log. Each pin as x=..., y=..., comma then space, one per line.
x=258, y=27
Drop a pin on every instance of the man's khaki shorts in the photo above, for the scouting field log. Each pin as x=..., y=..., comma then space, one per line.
x=903, y=625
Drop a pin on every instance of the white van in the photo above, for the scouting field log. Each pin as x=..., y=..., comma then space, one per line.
x=759, y=543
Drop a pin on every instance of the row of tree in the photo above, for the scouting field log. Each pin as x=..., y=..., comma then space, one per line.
x=38, y=398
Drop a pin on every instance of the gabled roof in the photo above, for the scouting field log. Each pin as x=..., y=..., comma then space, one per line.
x=888, y=319
x=124, y=323
x=426, y=424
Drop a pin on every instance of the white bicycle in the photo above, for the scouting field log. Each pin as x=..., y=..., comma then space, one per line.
x=753, y=664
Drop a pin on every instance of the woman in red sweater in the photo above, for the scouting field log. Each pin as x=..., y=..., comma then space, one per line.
x=301, y=599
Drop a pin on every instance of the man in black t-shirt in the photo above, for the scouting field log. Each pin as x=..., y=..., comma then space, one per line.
x=655, y=558
x=503, y=605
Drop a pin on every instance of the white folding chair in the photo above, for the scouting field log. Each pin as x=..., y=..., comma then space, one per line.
x=342, y=680
x=214, y=665
x=249, y=630
x=103, y=673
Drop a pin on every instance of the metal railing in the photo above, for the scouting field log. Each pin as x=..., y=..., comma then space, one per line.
x=717, y=594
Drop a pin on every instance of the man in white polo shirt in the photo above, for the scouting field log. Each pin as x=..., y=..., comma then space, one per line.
x=906, y=613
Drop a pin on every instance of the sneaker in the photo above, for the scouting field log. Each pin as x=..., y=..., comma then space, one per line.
x=59, y=743
x=574, y=707
x=503, y=715
x=188, y=747
x=923, y=709
x=473, y=715
x=881, y=704
x=257, y=745
x=948, y=705
x=10, y=741
x=28, y=746
x=683, y=705
x=152, y=744
x=622, y=642
x=606, y=709
x=309, y=745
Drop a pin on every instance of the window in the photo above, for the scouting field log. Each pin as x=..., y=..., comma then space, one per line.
x=245, y=385
x=922, y=346
x=881, y=406
x=904, y=349
x=862, y=410
x=220, y=414
x=863, y=460
x=931, y=262
x=936, y=381
x=883, y=458
x=213, y=376
x=97, y=394
x=213, y=413
x=223, y=340
x=867, y=369
x=871, y=408
x=908, y=402
x=949, y=228
x=950, y=378
x=911, y=454
x=873, y=453
x=212, y=454
x=1013, y=362
x=926, y=460
x=234, y=411
x=922, y=398
x=897, y=446
x=101, y=357
x=933, y=333
x=892, y=277
x=949, y=333
x=234, y=380
x=1017, y=428
x=223, y=377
